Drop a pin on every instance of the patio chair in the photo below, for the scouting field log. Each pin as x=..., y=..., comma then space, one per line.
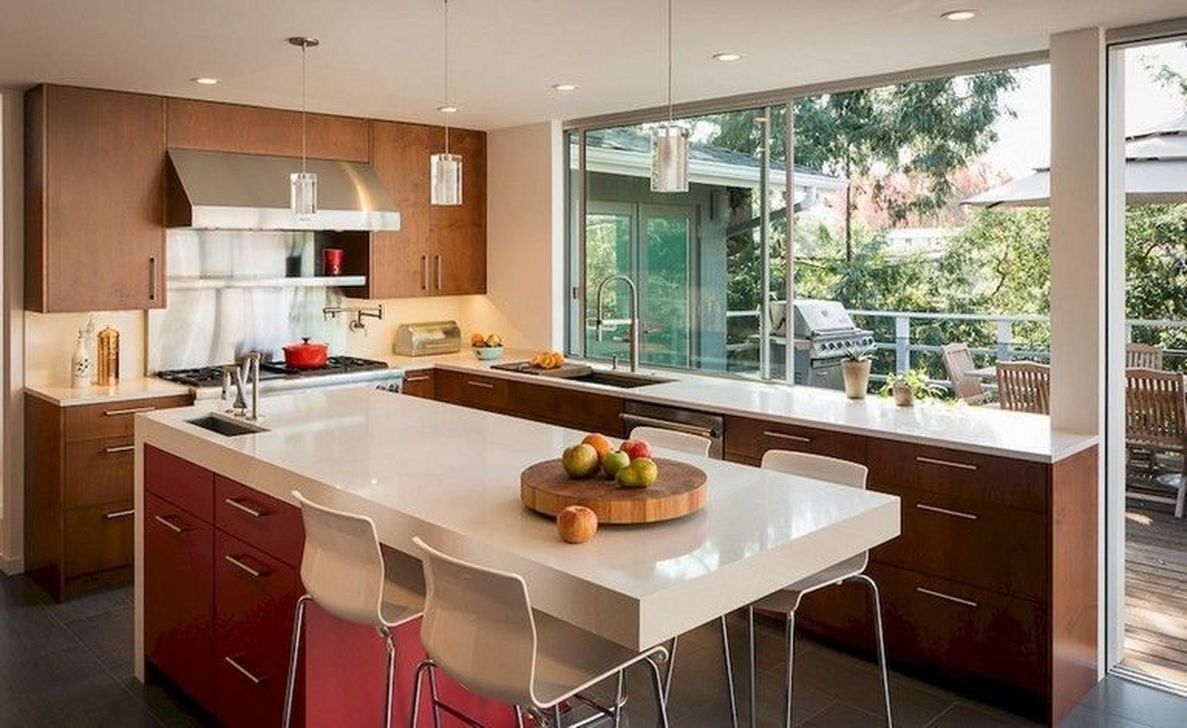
x=1156, y=422
x=1024, y=386
x=1143, y=356
x=958, y=360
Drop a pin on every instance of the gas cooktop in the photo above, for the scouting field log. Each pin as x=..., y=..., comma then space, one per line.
x=213, y=376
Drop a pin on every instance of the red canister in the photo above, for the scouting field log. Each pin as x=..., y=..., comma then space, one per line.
x=332, y=261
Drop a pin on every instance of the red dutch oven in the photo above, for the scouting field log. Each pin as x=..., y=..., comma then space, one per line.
x=306, y=355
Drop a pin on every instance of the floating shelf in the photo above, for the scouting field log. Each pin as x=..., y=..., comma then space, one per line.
x=189, y=284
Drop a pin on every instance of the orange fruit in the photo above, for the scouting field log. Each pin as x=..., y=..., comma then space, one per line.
x=598, y=442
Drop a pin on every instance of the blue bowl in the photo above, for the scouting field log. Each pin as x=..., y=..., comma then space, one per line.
x=488, y=353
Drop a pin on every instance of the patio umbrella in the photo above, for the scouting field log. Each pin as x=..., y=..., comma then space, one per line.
x=1155, y=172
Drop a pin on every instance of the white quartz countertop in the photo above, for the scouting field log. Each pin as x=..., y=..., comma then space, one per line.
x=987, y=430
x=127, y=389
x=451, y=475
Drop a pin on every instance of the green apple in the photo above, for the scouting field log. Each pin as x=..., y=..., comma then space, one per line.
x=614, y=461
x=628, y=477
x=580, y=461
x=648, y=471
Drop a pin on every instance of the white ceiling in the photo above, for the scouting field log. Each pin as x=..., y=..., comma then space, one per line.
x=383, y=59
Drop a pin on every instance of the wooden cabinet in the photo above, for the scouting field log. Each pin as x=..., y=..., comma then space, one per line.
x=747, y=439
x=223, y=127
x=94, y=200
x=554, y=405
x=227, y=579
x=492, y=394
x=78, y=492
x=438, y=250
x=419, y=383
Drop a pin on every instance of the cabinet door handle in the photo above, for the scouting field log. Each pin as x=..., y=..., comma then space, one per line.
x=413, y=380
x=239, y=563
x=483, y=385
x=946, y=511
x=424, y=272
x=168, y=524
x=120, y=514
x=786, y=436
x=236, y=503
x=243, y=670
x=947, y=597
x=946, y=463
x=438, y=272
x=118, y=448
x=128, y=411
x=152, y=278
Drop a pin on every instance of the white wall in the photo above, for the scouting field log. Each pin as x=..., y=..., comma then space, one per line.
x=12, y=342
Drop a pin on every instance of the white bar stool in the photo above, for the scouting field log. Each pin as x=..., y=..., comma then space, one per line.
x=787, y=600
x=480, y=629
x=343, y=572
x=687, y=442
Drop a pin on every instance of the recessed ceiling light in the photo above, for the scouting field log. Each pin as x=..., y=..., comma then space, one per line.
x=447, y=109
x=564, y=87
x=958, y=15
x=727, y=57
x=205, y=80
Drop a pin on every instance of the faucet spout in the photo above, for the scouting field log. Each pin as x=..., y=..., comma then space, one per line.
x=634, y=313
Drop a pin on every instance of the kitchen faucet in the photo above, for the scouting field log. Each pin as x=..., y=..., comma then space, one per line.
x=246, y=372
x=600, y=324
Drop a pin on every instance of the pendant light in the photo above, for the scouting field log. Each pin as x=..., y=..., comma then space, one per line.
x=303, y=195
x=445, y=170
x=669, y=142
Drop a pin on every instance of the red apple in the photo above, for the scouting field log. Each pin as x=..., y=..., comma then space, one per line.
x=576, y=524
x=636, y=449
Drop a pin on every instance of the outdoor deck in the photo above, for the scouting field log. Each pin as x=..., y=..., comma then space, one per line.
x=1156, y=590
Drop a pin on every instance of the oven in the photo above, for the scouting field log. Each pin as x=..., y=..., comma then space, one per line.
x=645, y=414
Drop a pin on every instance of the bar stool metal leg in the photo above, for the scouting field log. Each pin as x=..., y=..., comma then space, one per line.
x=294, y=654
x=876, y=604
x=389, y=688
x=671, y=666
x=751, y=687
x=436, y=693
x=618, y=701
x=661, y=699
x=417, y=679
x=790, y=663
x=729, y=672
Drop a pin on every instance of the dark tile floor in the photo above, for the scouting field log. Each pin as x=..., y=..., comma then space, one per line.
x=71, y=665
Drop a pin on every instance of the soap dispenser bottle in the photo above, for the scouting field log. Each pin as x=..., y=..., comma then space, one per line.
x=81, y=365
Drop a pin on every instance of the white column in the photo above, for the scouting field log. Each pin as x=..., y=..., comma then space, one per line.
x=1078, y=154
x=12, y=368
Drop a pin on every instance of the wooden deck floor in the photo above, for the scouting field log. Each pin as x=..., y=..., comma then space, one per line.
x=1156, y=590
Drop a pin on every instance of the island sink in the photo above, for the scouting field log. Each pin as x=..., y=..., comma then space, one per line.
x=226, y=426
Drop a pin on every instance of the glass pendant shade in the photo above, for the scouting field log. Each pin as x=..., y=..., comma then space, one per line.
x=303, y=199
x=446, y=179
x=669, y=159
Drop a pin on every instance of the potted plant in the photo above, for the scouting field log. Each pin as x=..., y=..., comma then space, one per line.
x=910, y=386
x=855, y=370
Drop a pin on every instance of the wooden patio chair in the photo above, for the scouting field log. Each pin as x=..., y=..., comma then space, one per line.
x=958, y=360
x=1143, y=356
x=1024, y=386
x=1156, y=422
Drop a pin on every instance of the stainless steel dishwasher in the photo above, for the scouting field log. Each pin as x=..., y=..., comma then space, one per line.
x=637, y=414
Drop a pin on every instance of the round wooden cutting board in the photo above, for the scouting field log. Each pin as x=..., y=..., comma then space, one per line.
x=546, y=488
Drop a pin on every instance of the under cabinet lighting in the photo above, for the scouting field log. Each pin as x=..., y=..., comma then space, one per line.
x=564, y=87
x=205, y=80
x=727, y=57
x=959, y=15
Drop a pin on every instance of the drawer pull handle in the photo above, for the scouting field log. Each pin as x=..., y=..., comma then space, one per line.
x=168, y=524
x=946, y=463
x=119, y=448
x=243, y=566
x=128, y=411
x=243, y=671
x=235, y=503
x=947, y=597
x=483, y=385
x=946, y=512
x=120, y=514
x=410, y=380
x=786, y=436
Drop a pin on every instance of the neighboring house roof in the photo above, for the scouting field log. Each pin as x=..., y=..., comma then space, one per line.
x=628, y=152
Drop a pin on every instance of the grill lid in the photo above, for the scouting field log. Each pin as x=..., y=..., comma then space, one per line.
x=815, y=318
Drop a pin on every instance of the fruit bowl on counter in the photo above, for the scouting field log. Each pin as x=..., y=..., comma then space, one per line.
x=487, y=348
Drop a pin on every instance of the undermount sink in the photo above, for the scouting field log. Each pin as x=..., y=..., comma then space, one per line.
x=619, y=379
x=226, y=426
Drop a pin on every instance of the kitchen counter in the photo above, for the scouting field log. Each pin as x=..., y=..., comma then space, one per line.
x=127, y=389
x=451, y=475
x=986, y=430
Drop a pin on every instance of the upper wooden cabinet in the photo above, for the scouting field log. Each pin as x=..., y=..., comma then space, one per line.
x=256, y=130
x=438, y=250
x=94, y=200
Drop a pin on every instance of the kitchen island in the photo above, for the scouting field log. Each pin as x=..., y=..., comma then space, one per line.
x=451, y=476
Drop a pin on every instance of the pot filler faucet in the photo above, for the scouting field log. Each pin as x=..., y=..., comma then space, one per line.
x=599, y=324
x=242, y=374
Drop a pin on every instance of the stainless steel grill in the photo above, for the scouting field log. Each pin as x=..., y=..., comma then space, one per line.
x=822, y=331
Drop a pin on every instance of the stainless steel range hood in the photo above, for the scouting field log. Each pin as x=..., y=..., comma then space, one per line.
x=228, y=191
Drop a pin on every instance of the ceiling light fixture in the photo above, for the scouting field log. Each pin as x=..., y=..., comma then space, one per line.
x=669, y=142
x=445, y=170
x=727, y=57
x=564, y=87
x=959, y=15
x=303, y=194
x=205, y=80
